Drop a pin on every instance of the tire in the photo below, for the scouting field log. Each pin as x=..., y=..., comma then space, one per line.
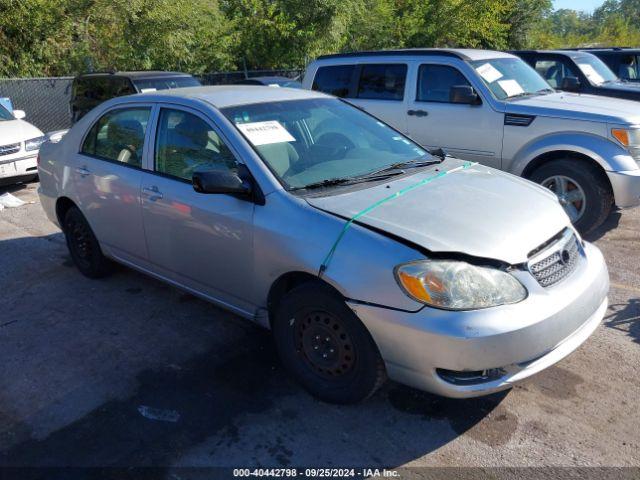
x=312, y=321
x=598, y=197
x=84, y=247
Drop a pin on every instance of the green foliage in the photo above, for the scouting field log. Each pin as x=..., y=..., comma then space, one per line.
x=57, y=37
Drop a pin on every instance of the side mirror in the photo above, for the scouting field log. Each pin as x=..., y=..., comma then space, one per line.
x=464, y=94
x=221, y=181
x=570, y=84
x=19, y=114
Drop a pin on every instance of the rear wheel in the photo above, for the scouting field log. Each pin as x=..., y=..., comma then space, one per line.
x=582, y=189
x=325, y=346
x=83, y=246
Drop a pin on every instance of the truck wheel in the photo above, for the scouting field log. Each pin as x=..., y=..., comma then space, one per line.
x=324, y=345
x=84, y=247
x=583, y=191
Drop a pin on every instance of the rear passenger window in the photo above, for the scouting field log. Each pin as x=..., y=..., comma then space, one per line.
x=382, y=82
x=435, y=82
x=185, y=144
x=118, y=136
x=334, y=80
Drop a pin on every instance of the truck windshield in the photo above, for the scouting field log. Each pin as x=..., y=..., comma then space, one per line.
x=510, y=78
x=594, y=69
x=321, y=142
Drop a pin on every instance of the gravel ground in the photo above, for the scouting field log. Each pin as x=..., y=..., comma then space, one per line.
x=84, y=361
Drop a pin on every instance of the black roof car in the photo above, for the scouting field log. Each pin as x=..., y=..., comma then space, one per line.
x=91, y=89
x=580, y=72
x=624, y=61
x=271, y=81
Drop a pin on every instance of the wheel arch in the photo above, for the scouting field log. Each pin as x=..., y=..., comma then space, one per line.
x=548, y=157
x=287, y=282
x=63, y=204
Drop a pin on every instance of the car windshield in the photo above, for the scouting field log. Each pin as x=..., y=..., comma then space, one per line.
x=5, y=114
x=510, y=78
x=595, y=69
x=165, y=83
x=306, y=142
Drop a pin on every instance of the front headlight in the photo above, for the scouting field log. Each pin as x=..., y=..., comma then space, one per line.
x=456, y=285
x=34, y=143
x=630, y=139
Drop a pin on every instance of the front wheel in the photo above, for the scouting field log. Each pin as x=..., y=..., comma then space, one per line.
x=582, y=189
x=325, y=346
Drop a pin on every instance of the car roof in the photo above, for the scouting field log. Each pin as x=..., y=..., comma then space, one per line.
x=468, y=54
x=568, y=53
x=609, y=49
x=274, y=78
x=221, y=96
x=135, y=74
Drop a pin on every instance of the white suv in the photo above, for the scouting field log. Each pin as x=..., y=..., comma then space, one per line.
x=493, y=108
x=19, y=145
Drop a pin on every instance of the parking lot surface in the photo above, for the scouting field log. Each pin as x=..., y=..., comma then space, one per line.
x=127, y=371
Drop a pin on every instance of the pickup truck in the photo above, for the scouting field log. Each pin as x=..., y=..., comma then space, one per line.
x=493, y=108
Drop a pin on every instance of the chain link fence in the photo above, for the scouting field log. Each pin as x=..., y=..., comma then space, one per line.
x=46, y=100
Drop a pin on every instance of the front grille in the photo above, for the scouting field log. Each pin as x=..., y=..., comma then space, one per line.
x=557, y=261
x=9, y=149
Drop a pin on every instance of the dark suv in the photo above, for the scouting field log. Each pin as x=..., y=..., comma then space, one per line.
x=625, y=62
x=580, y=72
x=91, y=89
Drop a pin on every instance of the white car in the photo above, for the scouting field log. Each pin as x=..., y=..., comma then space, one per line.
x=19, y=145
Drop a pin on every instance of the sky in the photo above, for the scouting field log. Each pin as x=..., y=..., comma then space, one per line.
x=586, y=5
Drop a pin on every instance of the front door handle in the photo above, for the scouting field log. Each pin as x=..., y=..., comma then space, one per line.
x=418, y=113
x=83, y=171
x=152, y=193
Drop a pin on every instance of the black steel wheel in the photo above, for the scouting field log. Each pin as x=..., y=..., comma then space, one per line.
x=83, y=246
x=325, y=346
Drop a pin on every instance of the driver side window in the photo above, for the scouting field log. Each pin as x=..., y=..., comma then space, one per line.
x=435, y=82
x=185, y=143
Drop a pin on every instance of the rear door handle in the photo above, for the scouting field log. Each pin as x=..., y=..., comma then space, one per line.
x=82, y=171
x=152, y=193
x=418, y=113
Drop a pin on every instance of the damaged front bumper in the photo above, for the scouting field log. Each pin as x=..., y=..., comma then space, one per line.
x=472, y=353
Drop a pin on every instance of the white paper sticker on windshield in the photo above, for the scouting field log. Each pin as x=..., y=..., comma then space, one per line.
x=265, y=133
x=489, y=72
x=145, y=90
x=510, y=87
x=274, y=85
x=591, y=73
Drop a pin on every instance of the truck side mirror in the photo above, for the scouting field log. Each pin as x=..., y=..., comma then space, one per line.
x=570, y=84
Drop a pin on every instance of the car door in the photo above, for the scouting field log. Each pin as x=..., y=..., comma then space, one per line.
x=472, y=132
x=201, y=241
x=107, y=178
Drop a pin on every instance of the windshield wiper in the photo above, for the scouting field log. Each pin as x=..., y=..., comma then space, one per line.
x=329, y=182
x=390, y=169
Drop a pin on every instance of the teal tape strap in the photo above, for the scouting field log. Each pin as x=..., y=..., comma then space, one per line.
x=399, y=193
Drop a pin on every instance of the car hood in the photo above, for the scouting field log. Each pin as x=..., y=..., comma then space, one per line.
x=631, y=90
x=579, y=107
x=14, y=131
x=477, y=211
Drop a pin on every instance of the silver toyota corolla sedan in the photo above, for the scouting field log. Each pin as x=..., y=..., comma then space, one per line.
x=366, y=255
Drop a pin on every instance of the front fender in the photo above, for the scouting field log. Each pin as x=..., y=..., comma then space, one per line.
x=609, y=155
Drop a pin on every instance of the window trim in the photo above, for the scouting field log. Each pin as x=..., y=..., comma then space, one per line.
x=417, y=84
x=356, y=86
x=156, y=128
x=132, y=106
